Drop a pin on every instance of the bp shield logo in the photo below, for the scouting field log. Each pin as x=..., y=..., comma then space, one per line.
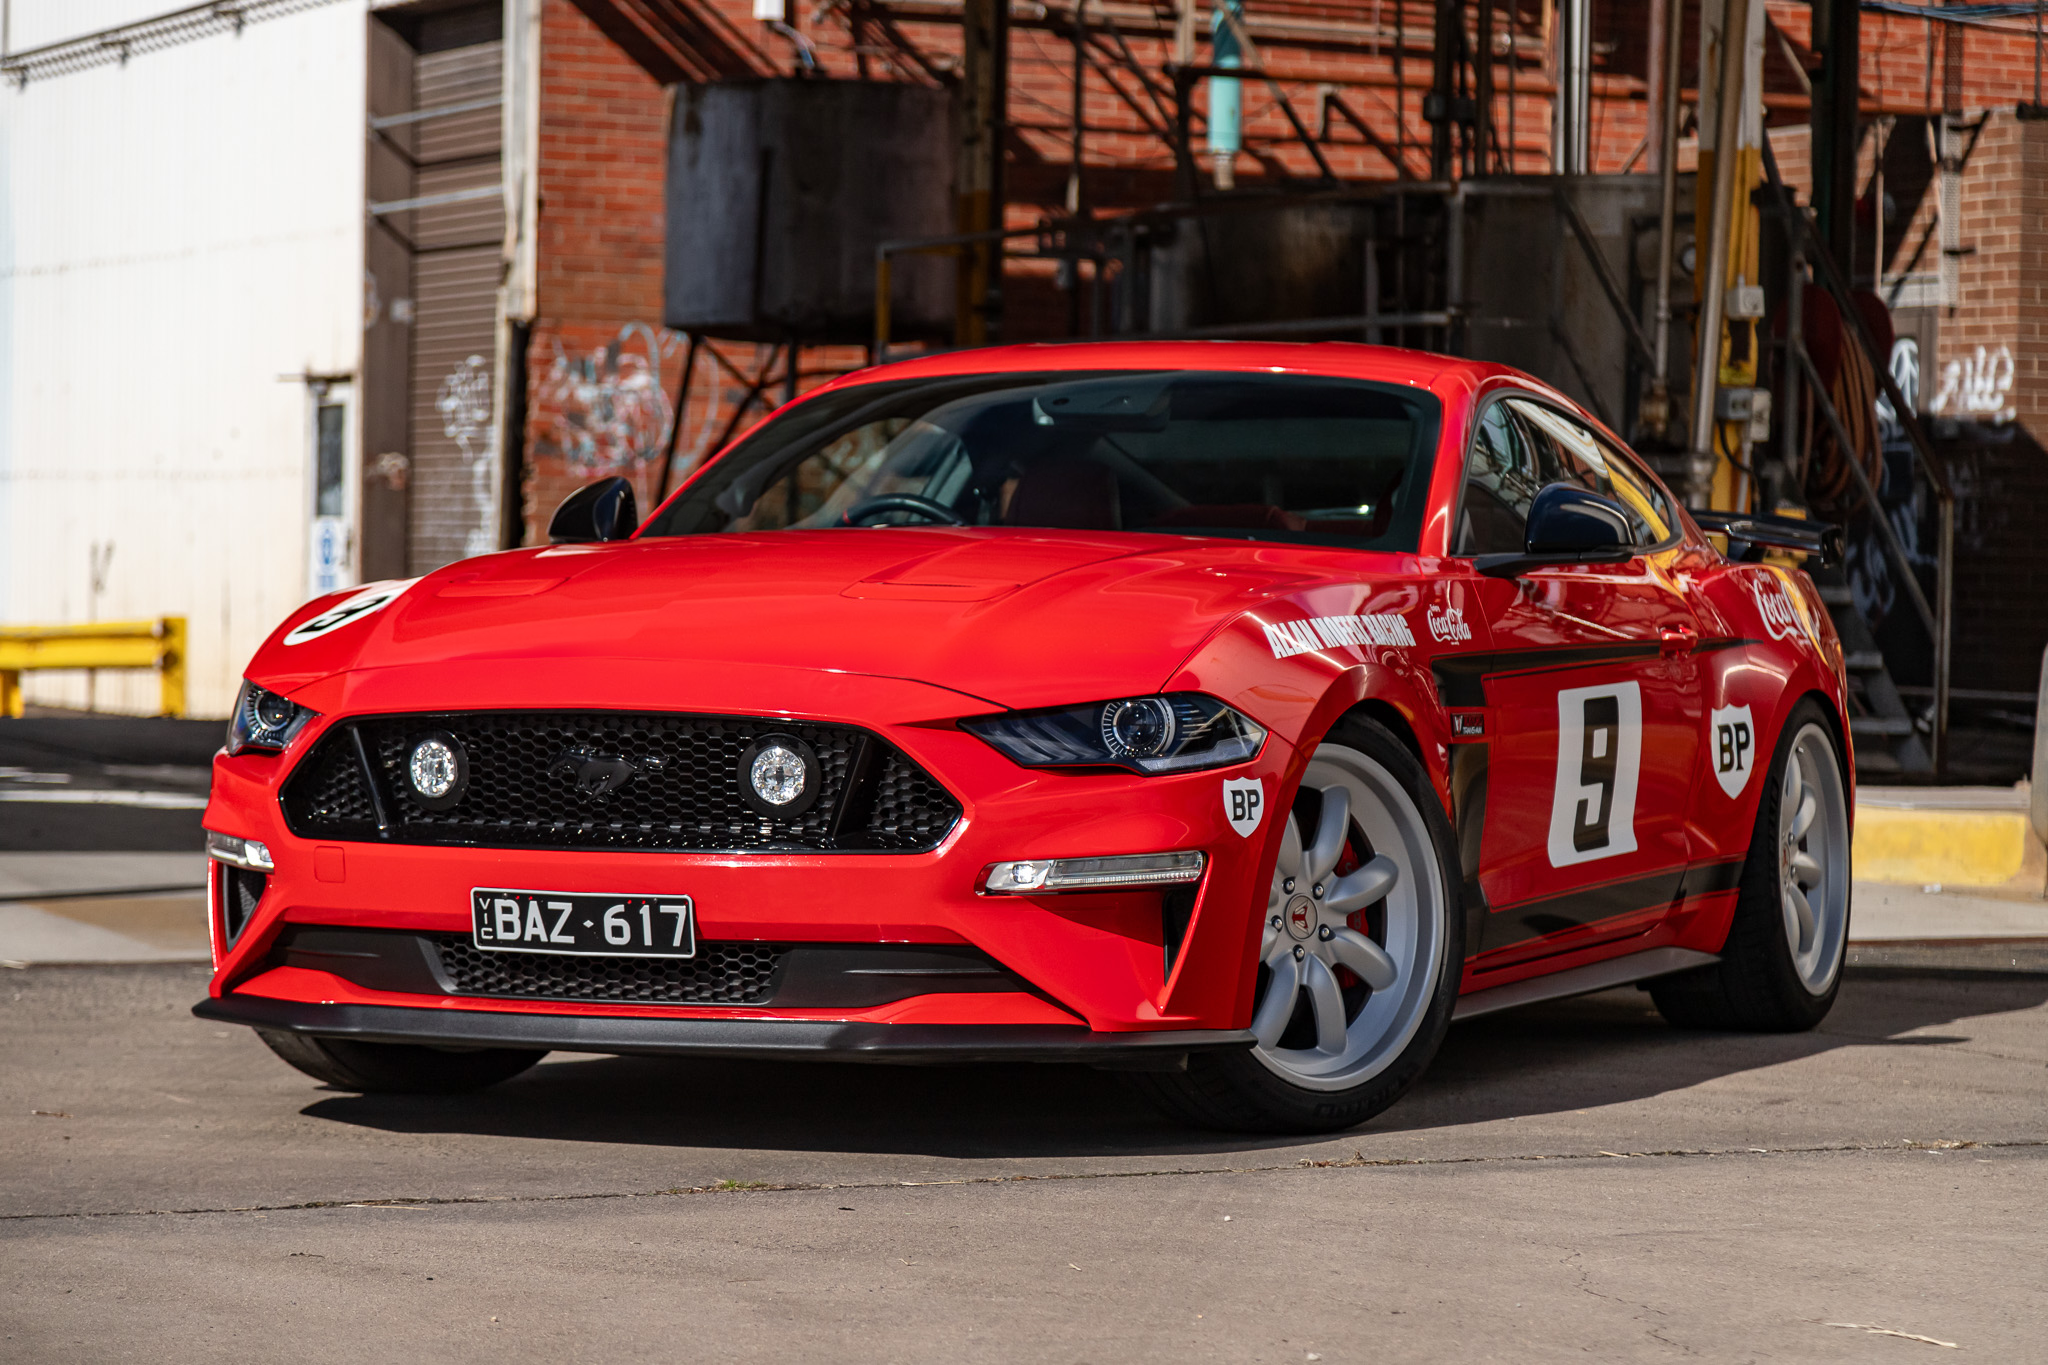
x=1731, y=736
x=1244, y=803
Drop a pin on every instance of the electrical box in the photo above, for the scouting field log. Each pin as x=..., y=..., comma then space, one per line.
x=1745, y=301
x=1749, y=406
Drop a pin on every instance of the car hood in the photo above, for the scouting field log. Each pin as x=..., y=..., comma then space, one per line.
x=1009, y=617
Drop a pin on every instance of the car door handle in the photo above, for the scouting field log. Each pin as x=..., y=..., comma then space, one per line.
x=1674, y=641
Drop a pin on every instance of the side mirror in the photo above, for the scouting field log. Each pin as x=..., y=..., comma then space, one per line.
x=605, y=510
x=1567, y=525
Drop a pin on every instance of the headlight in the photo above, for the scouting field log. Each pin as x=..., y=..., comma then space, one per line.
x=1174, y=733
x=264, y=722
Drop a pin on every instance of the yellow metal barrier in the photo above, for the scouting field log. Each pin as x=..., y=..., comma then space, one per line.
x=158, y=644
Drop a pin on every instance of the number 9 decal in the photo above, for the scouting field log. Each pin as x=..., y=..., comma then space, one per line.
x=1599, y=759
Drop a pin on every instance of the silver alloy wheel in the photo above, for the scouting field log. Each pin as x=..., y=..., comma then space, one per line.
x=1813, y=858
x=1308, y=935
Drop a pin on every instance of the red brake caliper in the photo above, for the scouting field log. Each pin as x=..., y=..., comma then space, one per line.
x=1347, y=863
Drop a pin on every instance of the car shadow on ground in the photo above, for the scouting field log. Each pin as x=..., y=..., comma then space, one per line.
x=1568, y=1055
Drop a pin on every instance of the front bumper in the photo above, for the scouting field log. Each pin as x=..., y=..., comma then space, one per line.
x=1116, y=962
x=753, y=1039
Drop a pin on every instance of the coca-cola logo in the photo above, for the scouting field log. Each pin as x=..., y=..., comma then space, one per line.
x=1448, y=624
x=1774, y=605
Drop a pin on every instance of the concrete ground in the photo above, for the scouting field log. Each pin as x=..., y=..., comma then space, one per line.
x=1573, y=1180
x=1576, y=1180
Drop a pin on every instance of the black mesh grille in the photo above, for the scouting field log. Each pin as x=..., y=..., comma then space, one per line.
x=908, y=805
x=684, y=791
x=720, y=974
x=334, y=790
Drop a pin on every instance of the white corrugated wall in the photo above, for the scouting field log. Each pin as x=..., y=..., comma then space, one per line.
x=180, y=238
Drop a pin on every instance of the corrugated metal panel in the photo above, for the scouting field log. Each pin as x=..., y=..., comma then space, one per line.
x=455, y=291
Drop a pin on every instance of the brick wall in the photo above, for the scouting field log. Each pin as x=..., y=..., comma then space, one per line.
x=599, y=366
x=1993, y=356
x=602, y=374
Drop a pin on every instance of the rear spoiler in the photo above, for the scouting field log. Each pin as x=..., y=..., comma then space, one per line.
x=1747, y=530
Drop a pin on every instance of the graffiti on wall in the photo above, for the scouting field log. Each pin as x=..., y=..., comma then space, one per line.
x=1977, y=386
x=465, y=407
x=606, y=412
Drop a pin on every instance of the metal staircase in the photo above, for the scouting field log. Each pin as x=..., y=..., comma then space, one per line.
x=1891, y=739
x=1886, y=733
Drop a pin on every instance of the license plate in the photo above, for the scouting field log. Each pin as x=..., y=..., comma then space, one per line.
x=587, y=925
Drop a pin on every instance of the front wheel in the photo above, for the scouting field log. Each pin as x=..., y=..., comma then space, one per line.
x=1359, y=954
x=397, y=1068
x=1782, y=964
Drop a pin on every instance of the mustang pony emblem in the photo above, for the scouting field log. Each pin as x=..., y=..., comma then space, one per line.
x=598, y=775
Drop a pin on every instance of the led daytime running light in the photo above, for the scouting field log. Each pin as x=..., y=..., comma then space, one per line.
x=1040, y=876
x=251, y=854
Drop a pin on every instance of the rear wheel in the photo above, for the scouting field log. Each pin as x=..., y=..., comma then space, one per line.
x=1359, y=955
x=397, y=1068
x=1782, y=964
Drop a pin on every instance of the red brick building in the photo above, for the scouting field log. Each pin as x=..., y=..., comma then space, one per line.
x=601, y=374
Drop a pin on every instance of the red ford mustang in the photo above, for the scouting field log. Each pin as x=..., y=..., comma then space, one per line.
x=1234, y=715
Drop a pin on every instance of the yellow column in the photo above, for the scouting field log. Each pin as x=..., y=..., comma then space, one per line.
x=171, y=664
x=1735, y=350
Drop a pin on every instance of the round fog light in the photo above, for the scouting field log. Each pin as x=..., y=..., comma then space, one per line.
x=438, y=771
x=779, y=775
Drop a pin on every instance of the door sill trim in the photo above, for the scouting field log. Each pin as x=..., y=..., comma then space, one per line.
x=1594, y=976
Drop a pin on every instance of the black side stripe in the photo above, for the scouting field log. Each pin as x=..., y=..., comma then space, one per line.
x=1459, y=676
x=1591, y=905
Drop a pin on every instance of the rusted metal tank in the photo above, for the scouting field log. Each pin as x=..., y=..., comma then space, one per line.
x=779, y=192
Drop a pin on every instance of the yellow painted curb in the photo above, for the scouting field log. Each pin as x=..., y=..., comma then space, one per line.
x=1958, y=847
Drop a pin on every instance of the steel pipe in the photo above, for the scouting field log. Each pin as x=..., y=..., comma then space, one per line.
x=1721, y=220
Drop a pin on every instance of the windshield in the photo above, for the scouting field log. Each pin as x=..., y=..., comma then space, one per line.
x=1264, y=456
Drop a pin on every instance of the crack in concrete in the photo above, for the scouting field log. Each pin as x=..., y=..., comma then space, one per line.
x=1654, y=1330
x=1356, y=1161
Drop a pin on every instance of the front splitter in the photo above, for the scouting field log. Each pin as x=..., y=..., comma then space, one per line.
x=757, y=1039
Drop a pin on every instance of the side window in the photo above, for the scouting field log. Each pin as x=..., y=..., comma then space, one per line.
x=1501, y=479
x=1642, y=495
x=1578, y=456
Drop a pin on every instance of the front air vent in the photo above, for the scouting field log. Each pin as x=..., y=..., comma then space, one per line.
x=240, y=890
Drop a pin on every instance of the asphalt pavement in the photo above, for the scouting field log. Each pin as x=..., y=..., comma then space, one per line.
x=1572, y=1180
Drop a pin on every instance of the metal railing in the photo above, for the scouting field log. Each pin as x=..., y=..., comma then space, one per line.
x=951, y=244
x=1937, y=616
x=157, y=645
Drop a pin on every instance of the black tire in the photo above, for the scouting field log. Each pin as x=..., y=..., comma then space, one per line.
x=397, y=1068
x=1756, y=986
x=1237, y=1092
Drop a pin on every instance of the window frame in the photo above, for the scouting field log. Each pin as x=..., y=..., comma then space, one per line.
x=1614, y=448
